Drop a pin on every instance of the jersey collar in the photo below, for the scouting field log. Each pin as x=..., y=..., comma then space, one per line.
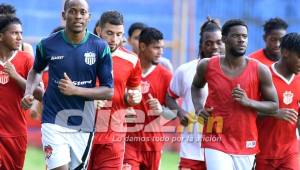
x=85, y=38
x=281, y=77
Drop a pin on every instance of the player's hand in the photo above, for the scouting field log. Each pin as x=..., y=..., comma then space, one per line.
x=100, y=103
x=36, y=110
x=286, y=114
x=66, y=86
x=240, y=96
x=204, y=112
x=183, y=118
x=27, y=101
x=10, y=69
x=134, y=97
x=154, y=104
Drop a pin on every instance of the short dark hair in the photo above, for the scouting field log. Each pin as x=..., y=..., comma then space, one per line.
x=231, y=23
x=111, y=17
x=150, y=35
x=210, y=25
x=274, y=24
x=67, y=4
x=291, y=42
x=6, y=20
x=7, y=9
x=136, y=26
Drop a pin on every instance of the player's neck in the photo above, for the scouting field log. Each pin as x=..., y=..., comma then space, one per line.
x=270, y=56
x=75, y=38
x=233, y=61
x=282, y=69
x=5, y=54
x=146, y=66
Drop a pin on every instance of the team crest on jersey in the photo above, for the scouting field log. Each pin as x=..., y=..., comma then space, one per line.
x=4, y=77
x=48, y=151
x=145, y=87
x=89, y=58
x=288, y=97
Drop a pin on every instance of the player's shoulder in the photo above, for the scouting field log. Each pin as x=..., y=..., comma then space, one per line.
x=125, y=54
x=187, y=65
x=297, y=78
x=163, y=71
x=95, y=38
x=52, y=37
x=24, y=54
x=256, y=54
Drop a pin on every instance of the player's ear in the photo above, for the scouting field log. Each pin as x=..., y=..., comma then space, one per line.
x=284, y=53
x=90, y=16
x=98, y=31
x=142, y=46
x=224, y=37
x=63, y=14
x=265, y=37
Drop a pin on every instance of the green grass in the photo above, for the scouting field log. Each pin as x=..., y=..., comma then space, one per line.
x=169, y=161
x=35, y=160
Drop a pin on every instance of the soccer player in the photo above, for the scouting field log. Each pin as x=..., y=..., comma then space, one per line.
x=7, y=9
x=140, y=153
x=235, y=84
x=275, y=29
x=210, y=44
x=14, y=68
x=134, y=32
x=75, y=58
x=109, y=147
x=277, y=138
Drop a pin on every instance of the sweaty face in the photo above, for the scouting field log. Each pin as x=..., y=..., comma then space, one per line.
x=212, y=44
x=134, y=40
x=153, y=51
x=237, y=40
x=272, y=41
x=113, y=34
x=12, y=36
x=76, y=16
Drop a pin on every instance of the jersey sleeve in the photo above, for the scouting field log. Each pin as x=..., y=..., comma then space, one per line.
x=104, y=68
x=135, y=76
x=40, y=62
x=175, y=89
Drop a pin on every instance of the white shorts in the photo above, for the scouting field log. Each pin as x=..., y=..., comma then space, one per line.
x=218, y=160
x=66, y=147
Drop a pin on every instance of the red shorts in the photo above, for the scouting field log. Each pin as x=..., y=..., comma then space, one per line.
x=136, y=160
x=290, y=162
x=12, y=152
x=107, y=156
x=189, y=164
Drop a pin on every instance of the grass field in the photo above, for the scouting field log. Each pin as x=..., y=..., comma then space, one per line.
x=35, y=160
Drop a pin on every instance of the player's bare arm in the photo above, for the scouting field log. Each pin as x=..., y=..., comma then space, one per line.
x=269, y=104
x=154, y=104
x=173, y=105
x=133, y=96
x=67, y=87
x=199, y=83
x=11, y=71
x=286, y=114
x=33, y=80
